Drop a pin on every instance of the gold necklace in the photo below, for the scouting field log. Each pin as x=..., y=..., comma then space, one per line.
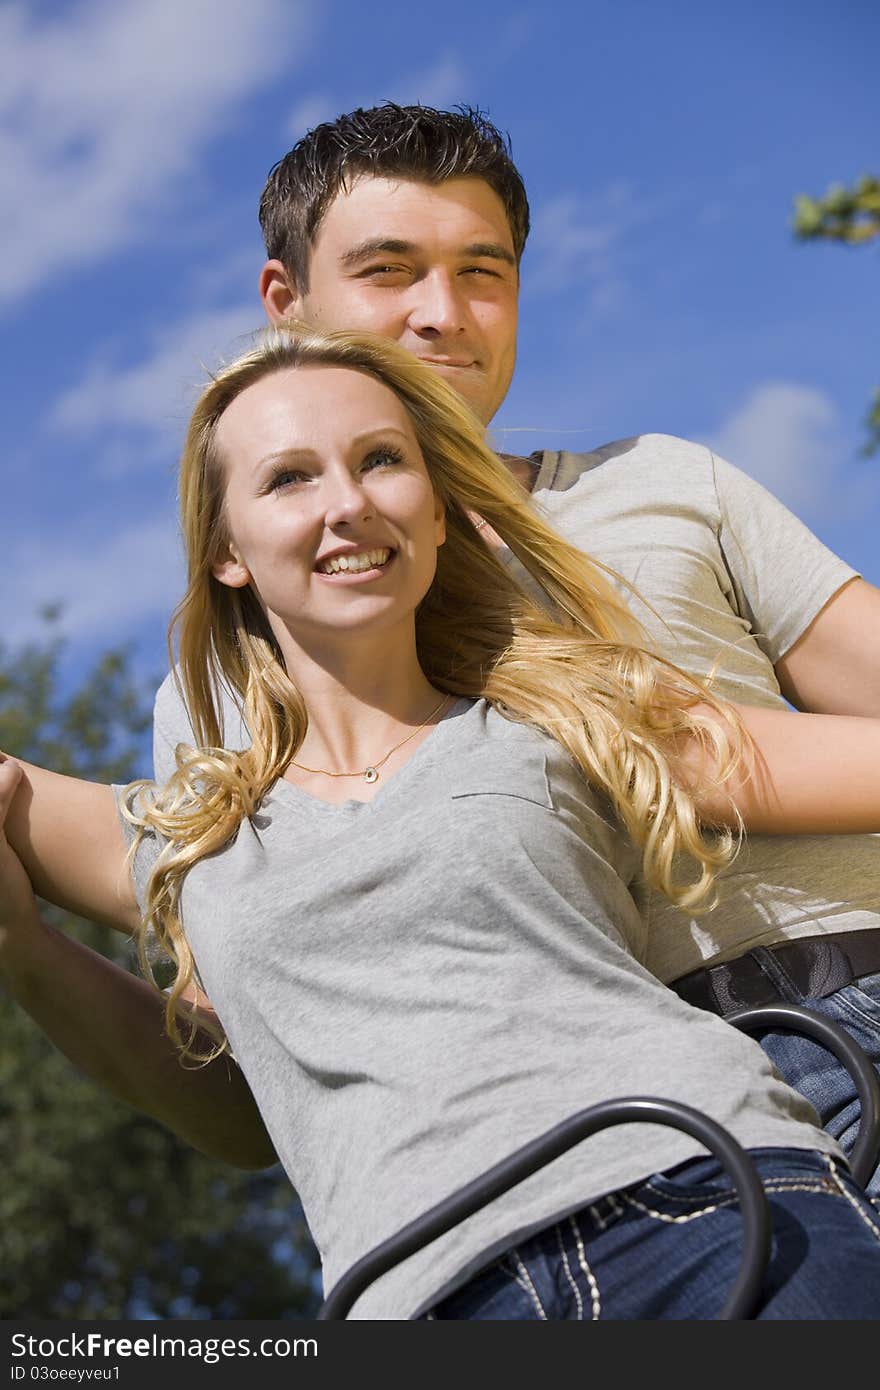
x=371, y=773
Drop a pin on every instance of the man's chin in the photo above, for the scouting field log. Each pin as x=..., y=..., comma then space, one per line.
x=471, y=385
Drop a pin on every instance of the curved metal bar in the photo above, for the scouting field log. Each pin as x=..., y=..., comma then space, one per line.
x=439, y=1219
x=866, y=1151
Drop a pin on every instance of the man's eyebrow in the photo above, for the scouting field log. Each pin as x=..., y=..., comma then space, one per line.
x=374, y=247
x=364, y=250
x=490, y=250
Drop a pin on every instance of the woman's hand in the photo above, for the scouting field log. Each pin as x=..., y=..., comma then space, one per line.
x=18, y=906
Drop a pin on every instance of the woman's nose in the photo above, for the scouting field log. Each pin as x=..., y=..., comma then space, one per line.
x=345, y=500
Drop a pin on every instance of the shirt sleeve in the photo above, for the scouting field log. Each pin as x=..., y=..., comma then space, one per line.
x=149, y=848
x=782, y=573
x=171, y=727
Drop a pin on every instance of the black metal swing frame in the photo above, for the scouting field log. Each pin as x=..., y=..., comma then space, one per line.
x=742, y=1297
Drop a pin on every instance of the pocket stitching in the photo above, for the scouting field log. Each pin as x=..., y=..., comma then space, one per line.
x=846, y=1001
x=542, y=798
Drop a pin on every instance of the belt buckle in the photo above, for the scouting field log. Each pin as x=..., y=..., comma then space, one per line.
x=741, y=984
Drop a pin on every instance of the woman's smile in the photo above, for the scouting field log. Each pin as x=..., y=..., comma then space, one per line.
x=356, y=564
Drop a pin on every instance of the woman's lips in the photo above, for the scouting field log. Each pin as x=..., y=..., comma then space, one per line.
x=356, y=563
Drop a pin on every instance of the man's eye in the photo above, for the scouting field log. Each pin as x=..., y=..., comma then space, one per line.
x=383, y=271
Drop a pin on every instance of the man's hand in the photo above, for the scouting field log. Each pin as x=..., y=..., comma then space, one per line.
x=487, y=535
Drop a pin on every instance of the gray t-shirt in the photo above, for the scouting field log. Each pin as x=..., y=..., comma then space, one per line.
x=418, y=985
x=733, y=579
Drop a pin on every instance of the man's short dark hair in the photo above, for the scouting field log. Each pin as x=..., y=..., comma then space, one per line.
x=388, y=141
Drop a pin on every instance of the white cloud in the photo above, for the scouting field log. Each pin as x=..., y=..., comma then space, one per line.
x=309, y=112
x=576, y=240
x=221, y=277
x=155, y=394
x=441, y=83
x=107, y=585
x=106, y=107
x=788, y=437
x=445, y=82
x=515, y=34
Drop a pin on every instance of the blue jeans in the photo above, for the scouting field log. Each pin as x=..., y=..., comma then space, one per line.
x=818, y=1075
x=669, y=1248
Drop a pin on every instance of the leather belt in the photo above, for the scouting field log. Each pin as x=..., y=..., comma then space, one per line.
x=808, y=967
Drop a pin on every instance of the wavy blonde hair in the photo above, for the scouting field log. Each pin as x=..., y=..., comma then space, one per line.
x=573, y=666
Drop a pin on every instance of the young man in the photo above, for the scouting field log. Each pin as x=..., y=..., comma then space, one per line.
x=411, y=223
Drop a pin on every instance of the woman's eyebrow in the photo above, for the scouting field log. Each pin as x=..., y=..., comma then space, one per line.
x=294, y=453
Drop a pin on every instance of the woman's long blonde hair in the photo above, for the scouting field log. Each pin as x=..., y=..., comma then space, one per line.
x=574, y=666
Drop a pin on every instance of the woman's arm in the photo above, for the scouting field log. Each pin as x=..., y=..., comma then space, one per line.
x=111, y=1025
x=810, y=774
x=68, y=836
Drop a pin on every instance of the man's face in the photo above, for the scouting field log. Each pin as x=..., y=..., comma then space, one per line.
x=431, y=266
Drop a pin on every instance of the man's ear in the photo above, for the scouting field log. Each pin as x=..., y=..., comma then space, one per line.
x=231, y=570
x=278, y=293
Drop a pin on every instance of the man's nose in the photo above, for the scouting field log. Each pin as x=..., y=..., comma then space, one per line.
x=438, y=306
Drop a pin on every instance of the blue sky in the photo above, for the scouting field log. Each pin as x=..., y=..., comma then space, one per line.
x=661, y=145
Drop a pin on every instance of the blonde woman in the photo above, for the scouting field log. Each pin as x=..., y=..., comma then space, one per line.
x=408, y=900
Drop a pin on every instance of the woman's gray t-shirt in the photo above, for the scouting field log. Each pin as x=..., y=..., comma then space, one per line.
x=731, y=580
x=418, y=985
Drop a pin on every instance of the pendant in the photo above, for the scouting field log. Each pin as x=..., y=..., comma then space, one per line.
x=370, y=774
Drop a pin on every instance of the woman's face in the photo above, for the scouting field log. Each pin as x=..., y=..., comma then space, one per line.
x=329, y=508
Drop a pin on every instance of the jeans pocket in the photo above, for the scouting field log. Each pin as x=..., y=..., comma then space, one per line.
x=692, y=1188
x=864, y=996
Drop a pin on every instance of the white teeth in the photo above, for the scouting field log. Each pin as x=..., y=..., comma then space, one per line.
x=354, y=564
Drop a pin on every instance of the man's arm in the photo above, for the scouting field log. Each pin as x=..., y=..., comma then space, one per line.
x=111, y=1025
x=809, y=774
x=811, y=615
x=834, y=667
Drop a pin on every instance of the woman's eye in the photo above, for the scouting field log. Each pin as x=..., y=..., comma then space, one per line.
x=287, y=478
x=382, y=458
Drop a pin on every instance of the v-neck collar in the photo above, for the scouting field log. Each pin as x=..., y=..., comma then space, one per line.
x=429, y=750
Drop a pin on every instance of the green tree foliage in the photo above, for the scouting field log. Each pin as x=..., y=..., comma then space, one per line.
x=844, y=214
x=103, y=1213
x=850, y=215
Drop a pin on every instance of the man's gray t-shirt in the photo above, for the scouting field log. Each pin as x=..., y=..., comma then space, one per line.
x=733, y=579
x=416, y=986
